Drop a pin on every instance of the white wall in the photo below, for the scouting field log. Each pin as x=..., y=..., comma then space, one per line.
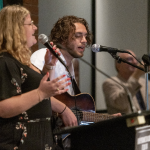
x=119, y=24
x=50, y=11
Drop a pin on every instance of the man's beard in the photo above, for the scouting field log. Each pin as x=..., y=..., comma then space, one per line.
x=74, y=53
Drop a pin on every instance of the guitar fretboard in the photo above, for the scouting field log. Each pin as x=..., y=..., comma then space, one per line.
x=92, y=117
x=95, y=117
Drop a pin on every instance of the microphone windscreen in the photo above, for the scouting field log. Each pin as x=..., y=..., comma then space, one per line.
x=43, y=38
x=95, y=48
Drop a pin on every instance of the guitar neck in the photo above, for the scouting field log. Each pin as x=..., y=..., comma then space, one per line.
x=95, y=117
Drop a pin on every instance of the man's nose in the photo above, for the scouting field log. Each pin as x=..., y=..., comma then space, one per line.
x=84, y=40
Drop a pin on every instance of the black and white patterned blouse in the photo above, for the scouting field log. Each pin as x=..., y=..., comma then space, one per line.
x=30, y=130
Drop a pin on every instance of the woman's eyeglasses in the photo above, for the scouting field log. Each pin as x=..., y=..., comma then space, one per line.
x=30, y=24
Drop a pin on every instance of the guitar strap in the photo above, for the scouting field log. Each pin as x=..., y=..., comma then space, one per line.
x=75, y=86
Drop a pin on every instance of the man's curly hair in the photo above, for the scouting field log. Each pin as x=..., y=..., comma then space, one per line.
x=64, y=26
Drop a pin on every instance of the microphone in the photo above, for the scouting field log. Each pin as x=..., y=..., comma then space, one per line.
x=100, y=48
x=44, y=40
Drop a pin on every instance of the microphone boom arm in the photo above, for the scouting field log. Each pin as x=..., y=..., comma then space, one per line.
x=119, y=60
x=129, y=96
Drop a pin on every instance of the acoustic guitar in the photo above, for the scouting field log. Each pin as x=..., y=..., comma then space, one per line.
x=83, y=106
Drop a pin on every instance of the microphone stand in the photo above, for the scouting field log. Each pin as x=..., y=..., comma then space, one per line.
x=146, y=87
x=146, y=60
x=125, y=88
x=119, y=60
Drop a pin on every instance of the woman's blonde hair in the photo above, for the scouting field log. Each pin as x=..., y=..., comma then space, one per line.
x=12, y=33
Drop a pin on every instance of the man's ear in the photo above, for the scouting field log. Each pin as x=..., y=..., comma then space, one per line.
x=117, y=66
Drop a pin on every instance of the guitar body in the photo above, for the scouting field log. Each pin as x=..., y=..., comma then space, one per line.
x=83, y=106
x=83, y=101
